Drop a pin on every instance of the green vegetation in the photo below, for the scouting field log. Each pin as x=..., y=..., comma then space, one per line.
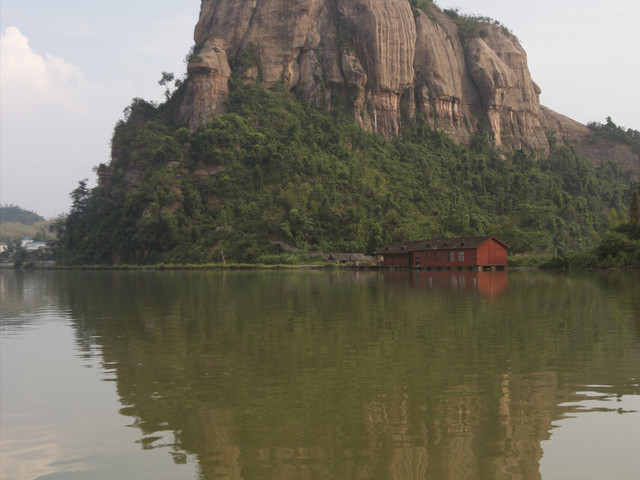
x=12, y=232
x=13, y=213
x=17, y=223
x=276, y=169
x=471, y=26
x=423, y=5
x=613, y=133
x=634, y=209
x=247, y=59
x=619, y=247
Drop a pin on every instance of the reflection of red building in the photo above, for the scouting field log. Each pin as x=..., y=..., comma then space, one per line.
x=491, y=284
x=471, y=252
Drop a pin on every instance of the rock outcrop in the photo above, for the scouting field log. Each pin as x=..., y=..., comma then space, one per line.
x=384, y=60
x=208, y=83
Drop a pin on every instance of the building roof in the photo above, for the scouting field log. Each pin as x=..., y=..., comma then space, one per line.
x=32, y=246
x=459, y=243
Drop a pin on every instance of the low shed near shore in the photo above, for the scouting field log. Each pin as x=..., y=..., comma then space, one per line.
x=470, y=252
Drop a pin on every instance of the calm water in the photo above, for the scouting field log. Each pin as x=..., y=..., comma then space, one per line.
x=319, y=375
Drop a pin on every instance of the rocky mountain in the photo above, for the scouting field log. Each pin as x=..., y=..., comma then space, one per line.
x=275, y=170
x=383, y=60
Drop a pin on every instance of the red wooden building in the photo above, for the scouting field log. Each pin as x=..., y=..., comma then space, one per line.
x=472, y=252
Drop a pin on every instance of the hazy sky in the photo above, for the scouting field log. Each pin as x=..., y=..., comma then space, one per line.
x=68, y=69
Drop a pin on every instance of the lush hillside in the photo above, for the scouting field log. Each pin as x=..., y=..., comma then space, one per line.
x=13, y=213
x=614, y=133
x=274, y=168
x=17, y=223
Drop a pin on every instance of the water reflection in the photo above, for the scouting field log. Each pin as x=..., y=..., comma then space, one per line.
x=396, y=375
x=489, y=283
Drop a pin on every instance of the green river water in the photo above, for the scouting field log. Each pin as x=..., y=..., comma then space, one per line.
x=315, y=374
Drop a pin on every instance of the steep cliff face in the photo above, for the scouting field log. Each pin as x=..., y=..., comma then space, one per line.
x=384, y=60
x=207, y=87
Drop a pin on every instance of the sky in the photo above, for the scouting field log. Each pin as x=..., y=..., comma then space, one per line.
x=69, y=68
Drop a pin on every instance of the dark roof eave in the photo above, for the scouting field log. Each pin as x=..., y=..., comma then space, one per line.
x=459, y=243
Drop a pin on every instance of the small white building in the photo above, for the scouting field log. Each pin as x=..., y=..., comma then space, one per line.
x=3, y=247
x=31, y=246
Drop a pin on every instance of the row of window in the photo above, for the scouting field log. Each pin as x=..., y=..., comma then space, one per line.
x=440, y=256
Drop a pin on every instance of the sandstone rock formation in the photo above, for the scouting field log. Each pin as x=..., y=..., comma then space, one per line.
x=384, y=60
x=207, y=87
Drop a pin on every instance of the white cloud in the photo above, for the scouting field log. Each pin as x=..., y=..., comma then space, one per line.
x=53, y=126
x=66, y=79
x=27, y=78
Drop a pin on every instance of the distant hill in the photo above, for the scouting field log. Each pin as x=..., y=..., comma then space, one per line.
x=17, y=223
x=13, y=213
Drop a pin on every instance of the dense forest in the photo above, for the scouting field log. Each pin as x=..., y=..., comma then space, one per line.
x=274, y=168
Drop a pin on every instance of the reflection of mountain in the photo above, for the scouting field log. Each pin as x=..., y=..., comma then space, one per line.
x=314, y=375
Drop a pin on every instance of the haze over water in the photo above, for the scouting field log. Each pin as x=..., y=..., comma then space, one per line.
x=319, y=375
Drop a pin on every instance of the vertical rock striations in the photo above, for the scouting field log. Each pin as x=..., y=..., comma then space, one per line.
x=207, y=86
x=444, y=91
x=383, y=60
